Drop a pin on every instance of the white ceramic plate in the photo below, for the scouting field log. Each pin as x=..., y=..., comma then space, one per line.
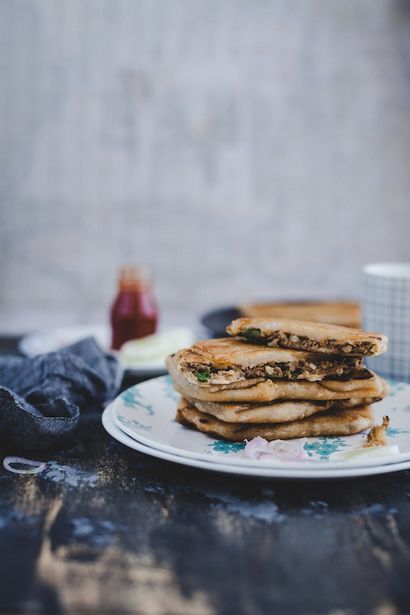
x=49, y=340
x=146, y=413
x=257, y=472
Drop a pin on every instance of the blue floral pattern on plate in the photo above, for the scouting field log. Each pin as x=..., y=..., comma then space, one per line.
x=395, y=431
x=224, y=446
x=133, y=423
x=396, y=386
x=324, y=446
x=146, y=412
x=133, y=398
x=169, y=390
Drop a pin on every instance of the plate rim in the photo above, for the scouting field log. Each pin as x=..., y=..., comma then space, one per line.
x=110, y=426
x=240, y=461
x=264, y=473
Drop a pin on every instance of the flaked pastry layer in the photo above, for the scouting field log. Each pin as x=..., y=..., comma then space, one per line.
x=364, y=384
x=334, y=422
x=280, y=339
x=315, y=369
x=308, y=336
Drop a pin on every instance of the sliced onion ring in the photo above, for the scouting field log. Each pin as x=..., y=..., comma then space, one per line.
x=35, y=466
x=281, y=450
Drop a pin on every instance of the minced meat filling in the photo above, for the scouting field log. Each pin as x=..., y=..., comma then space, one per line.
x=301, y=369
x=293, y=371
x=280, y=339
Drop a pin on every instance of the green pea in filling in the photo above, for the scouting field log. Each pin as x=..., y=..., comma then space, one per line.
x=252, y=334
x=203, y=375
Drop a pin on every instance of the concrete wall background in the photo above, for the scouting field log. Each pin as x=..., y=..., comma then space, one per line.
x=242, y=148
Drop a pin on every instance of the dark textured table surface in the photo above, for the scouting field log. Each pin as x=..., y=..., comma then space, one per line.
x=108, y=530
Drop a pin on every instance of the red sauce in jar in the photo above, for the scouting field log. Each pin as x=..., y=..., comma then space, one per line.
x=134, y=312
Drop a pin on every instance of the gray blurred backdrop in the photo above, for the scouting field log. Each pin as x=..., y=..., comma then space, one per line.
x=243, y=149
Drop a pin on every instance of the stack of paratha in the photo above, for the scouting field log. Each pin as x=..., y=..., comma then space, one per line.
x=278, y=379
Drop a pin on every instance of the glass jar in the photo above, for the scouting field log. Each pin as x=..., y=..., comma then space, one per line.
x=134, y=312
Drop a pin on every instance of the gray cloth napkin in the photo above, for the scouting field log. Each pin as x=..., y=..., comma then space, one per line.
x=41, y=398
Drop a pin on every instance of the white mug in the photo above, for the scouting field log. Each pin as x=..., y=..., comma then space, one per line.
x=386, y=309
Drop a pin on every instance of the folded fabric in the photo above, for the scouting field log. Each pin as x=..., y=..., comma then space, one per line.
x=41, y=398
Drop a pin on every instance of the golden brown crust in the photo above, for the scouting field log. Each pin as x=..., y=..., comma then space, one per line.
x=225, y=352
x=260, y=391
x=277, y=412
x=344, y=313
x=309, y=336
x=229, y=360
x=353, y=402
x=338, y=422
